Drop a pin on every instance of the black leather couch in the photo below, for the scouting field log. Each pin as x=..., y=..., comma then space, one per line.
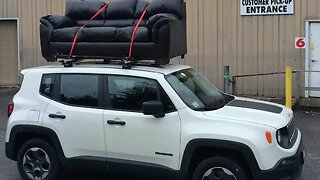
x=160, y=36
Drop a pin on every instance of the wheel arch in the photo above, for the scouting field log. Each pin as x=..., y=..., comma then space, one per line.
x=22, y=133
x=201, y=148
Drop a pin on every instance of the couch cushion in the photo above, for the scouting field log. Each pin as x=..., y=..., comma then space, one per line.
x=121, y=9
x=141, y=5
x=124, y=34
x=66, y=34
x=99, y=34
x=118, y=23
x=84, y=10
x=61, y=21
x=93, y=23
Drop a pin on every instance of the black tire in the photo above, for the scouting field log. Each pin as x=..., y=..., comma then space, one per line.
x=38, y=148
x=219, y=162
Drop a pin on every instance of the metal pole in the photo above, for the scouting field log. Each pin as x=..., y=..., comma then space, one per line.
x=226, y=77
x=234, y=85
x=289, y=87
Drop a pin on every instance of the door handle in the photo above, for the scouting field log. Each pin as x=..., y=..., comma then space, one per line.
x=314, y=60
x=57, y=116
x=112, y=122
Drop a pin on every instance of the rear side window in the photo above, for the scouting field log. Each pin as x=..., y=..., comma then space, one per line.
x=79, y=89
x=47, y=84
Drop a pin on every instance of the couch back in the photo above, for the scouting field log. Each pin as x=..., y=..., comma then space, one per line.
x=121, y=12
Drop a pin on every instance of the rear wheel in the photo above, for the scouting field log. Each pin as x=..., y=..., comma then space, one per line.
x=219, y=168
x=37, y=160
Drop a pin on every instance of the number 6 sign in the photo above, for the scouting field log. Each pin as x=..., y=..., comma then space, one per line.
x=300, y=43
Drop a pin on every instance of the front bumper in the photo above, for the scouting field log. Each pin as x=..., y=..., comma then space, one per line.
x=289, y=168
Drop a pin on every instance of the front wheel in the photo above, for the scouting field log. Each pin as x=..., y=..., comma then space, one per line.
x=37, y=160
x=219, y=168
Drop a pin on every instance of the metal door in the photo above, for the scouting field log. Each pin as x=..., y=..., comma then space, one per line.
x=8, y=53
x=314, y=60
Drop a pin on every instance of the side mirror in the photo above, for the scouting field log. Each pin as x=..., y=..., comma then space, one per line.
x=154, y=108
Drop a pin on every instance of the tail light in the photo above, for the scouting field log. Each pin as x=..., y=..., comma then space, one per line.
x=10, y=109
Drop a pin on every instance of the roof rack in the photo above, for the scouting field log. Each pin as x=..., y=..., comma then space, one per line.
x=126, y=62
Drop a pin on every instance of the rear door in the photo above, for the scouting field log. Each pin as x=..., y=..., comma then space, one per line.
x=139, y=141
x=75, y=114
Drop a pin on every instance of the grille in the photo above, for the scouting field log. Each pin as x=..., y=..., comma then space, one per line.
x=292, y=133
x=288, y=135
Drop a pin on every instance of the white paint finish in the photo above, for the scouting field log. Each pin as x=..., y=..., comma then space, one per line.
x=81, y=133
x=250, y=115
x=27, y=99
x=269, y=7
x=142, y=137
x=85, y=131
x=314, y=58
x=197, y=125
x=33, y=115
x=306, y=61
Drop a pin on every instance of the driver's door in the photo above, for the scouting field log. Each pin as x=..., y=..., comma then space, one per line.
x=133, y=138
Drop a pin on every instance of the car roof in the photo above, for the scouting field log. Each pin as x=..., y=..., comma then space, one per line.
x=163, y=69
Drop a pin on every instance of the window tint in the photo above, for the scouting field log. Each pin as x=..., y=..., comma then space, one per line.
x=46, y=87
x=79, y=89
x=195, y=90
x=129, y=93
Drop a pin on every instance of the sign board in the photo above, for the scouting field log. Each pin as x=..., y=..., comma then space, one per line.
x=266, y=7
x=300, y=43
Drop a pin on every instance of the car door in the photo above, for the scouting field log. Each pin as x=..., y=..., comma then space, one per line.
x=76, y=116
x=133, y=138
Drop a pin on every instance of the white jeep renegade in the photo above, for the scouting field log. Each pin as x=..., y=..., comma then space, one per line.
x=166, y=121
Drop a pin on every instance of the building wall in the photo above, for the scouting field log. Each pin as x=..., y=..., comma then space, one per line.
x=29, y=13
x=217, y=36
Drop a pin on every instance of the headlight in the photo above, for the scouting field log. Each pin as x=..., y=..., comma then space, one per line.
x=287, y=136
x=279, y=137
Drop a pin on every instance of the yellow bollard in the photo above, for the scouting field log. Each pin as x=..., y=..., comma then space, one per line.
x=289, y=87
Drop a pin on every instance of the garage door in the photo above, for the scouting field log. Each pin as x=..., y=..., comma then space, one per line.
x=8, y=53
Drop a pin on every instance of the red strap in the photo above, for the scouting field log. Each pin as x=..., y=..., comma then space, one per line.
x=135, y=31
x=77, y=34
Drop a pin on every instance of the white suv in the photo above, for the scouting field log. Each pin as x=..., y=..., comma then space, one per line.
x=166, y=121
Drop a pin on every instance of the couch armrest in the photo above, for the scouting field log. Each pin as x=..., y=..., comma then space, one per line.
x=169, y=32
x=157, y=21
x=59, y=21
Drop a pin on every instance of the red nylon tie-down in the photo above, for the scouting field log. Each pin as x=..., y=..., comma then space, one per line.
x=75, y=39
x=93, y=17
x=135, y=31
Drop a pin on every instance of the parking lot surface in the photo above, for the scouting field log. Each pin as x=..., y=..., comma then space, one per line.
x=307, y=120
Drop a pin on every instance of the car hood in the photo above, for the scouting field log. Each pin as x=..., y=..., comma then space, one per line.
x=254, y=111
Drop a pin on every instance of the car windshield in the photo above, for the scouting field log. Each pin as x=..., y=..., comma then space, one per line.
x=195, y=90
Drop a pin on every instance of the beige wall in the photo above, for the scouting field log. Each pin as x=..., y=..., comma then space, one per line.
x=29, y=13
x=217, y=36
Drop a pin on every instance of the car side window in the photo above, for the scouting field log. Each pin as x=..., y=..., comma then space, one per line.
x=47, y=84
x=79, y=89
x=129, y=93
